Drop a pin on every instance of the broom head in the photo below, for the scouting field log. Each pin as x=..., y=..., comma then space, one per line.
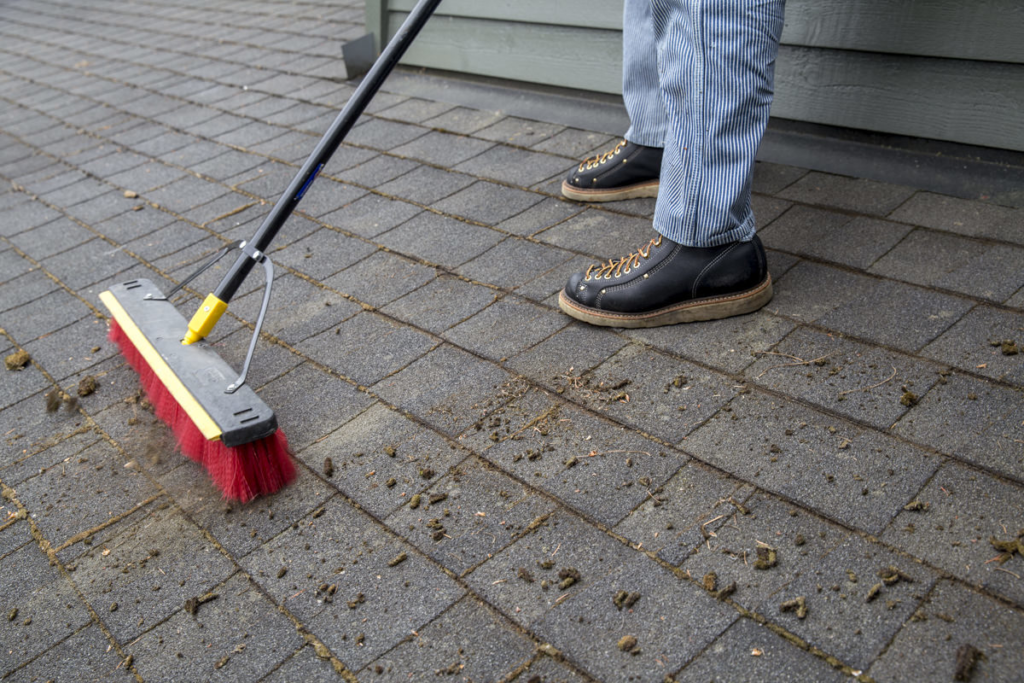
x=234, y=436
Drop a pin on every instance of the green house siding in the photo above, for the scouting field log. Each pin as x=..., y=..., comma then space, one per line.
x=940, y=69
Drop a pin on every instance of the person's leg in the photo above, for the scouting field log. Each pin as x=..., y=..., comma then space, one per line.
x=641, y=87
x=629, y=169
x=717, y=68
x=716, y=63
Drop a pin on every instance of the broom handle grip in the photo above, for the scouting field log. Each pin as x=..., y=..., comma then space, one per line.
x=326, y=147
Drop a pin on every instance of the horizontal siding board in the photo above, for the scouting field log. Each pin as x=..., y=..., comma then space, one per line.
x=600, y=14
x=962, y=101
x=587, y=59
x=990, y=30
x=970, y=101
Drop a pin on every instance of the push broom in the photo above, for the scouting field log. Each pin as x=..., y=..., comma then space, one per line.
x=217, y=419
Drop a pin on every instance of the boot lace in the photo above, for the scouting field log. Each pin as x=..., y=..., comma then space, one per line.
x=622, y=266
x=595, y=161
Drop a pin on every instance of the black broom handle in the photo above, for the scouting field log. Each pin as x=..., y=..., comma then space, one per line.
x=327, y=145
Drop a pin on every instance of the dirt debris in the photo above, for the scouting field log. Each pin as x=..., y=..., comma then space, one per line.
x=873, y=592
x=916, y=506
x=17, y=360
x=569, y=576
x=766, y=558
x=87, y=386
x=191, y=605
x=525, y=575
x=625, y=599
x=967, y=657
x=328, y=468
x=1009, y=547
x=798, y=605
x=891, y=575
x=53, y=400
x=629, y=644
x=398, y=559
x=1008, y=347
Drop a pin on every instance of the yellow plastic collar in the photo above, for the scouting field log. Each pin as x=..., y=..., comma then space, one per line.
x=205, y=318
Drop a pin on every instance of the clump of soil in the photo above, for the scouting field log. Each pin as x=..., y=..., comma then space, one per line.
x=397, y=559
x=909, y=399
x=766, y=558
x=414, y=502
x=710, y=582
x=873, y=592
x=525, y=575
x=967, y=657
x=916, y=506
x=17, y=360
x=798, y=605
x=87, y=386
x=625, y=599
x=356, y=601
x=569, y=577
x=629, y=644
x=328, y=468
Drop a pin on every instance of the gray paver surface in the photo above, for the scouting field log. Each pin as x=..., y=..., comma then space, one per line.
x=856, y=447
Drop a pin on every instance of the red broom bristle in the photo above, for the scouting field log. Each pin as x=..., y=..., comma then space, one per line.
x=242, y=472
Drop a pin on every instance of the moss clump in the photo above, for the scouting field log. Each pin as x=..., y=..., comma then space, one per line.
x=798, y=605
x=525, y=575
x=909, y=399
x=397, y=559
x=87, y=386
x=873, y=592
x=891, y=575
x=17, y=360
x=766, y=558
x=569, y=576
x=629, y=644
x=1009, y=546
x=625, y=599
x=414, y=502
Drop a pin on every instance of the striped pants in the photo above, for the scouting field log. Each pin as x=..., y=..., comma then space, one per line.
x=698, y=77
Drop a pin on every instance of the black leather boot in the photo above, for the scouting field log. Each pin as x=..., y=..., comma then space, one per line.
x=625, y=172
x=664, y=283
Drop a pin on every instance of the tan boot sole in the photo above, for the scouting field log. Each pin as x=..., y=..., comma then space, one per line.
x=649, y=189
x=711, y=308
